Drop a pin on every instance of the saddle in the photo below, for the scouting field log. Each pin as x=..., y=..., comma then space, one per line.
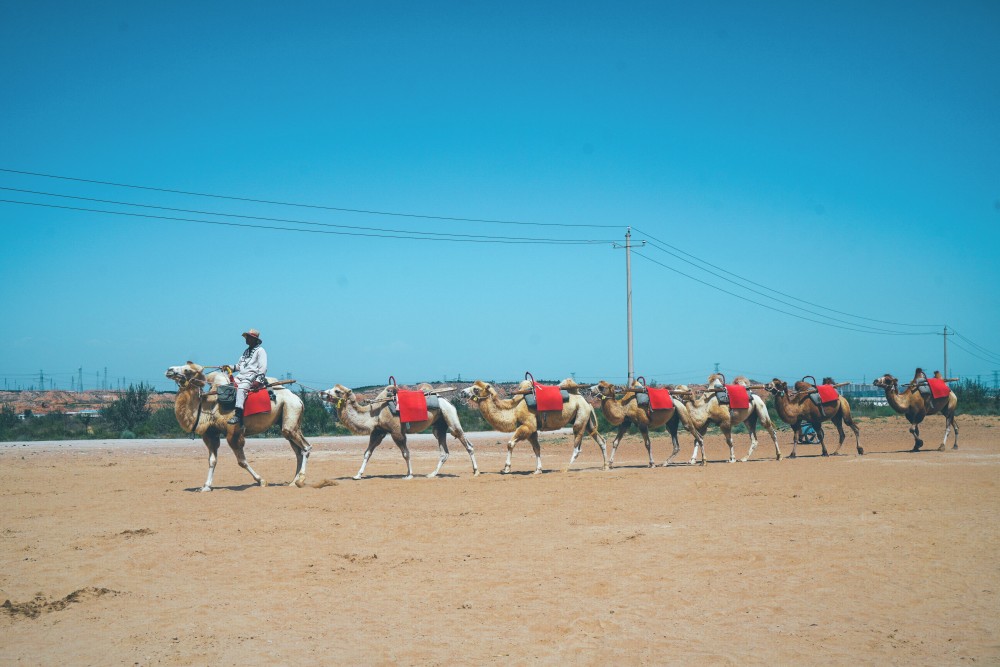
x=824, y=393
x=544, y=397
x=258, y=402
x=735, y=396
x=431, y=402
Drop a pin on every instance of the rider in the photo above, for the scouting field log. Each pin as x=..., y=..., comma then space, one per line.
x=251, y=366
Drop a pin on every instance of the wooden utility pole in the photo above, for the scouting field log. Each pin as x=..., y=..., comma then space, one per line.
x=628, y=300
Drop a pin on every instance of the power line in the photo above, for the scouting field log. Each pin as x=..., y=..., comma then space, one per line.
x=455, y=238
x=977, y=346
x=263, y=218
x=301, y=205
x=785, y=312
x=768, y=296
x=771, y=289
x=981, y=358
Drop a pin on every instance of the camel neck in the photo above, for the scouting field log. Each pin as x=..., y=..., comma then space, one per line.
x=613, y=410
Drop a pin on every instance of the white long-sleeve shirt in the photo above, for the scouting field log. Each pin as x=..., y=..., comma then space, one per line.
x=252, y=363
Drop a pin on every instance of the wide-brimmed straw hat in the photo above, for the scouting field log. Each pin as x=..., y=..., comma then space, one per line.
x=252, y=333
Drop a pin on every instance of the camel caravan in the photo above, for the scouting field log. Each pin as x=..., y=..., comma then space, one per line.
x=204, y=407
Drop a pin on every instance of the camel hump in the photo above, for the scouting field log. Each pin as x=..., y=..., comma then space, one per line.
x=829, y=380
x=424, y=386
x=802, y=385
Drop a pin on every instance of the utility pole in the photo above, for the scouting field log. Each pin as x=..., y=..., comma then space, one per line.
x=946, y=351
x=80, y=386
x=995, y=379
x=716, y=366
x=628, y=300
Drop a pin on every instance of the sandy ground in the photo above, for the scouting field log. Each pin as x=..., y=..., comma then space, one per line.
x=110, y=556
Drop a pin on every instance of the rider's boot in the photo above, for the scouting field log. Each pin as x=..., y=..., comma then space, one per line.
x=237, y=418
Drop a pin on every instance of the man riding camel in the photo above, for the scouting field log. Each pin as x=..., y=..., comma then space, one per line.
x=251, y=367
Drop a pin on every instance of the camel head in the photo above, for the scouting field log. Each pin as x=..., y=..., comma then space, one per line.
x=188, y=374
x=887, y=381
x=479, y=391
x=603, y=390
x=716, y=380
x=919, y=374
x=338, y=394
x=776, y=387
x=829, y=381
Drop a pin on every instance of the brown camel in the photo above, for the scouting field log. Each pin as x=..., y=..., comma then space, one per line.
x=377, y=421
x=797, y=407
x=626, y=411
x=705, y=408
x=514, y=415
x=912, y=404
x=201, y=415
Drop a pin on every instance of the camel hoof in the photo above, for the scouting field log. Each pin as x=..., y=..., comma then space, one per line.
x=431, y=475
x=861, y=451
x=744, y=459
x=408, y=477
x=941, y=448
x=652, y=465
x=825, y=454
x=793, y=455
x=538, y=471
x=475, y=473
x=505, y=471
x=358, y=476
x=205, y=489
x=607, y=466
x=298, y=482
x=261, y=482
x=955, y=447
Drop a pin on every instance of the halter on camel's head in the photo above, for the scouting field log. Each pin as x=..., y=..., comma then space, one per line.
x=887, y=381
x=188, y=374
x=603, y=390
x=478, y=391
x=776, y=387
x=337, y=395
x=716, y=380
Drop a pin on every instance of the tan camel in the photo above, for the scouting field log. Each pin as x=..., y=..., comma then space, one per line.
x=797, y=407
x=626, y=411
x=912, y=405
x=201, y=415
x=514, y=415
x=377, y=421
x=705, y=408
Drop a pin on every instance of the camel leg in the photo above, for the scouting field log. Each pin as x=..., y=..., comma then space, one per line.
x=917, y=442
x=765, y=419
x=460, y=436
x=236, y=443
x=536, y=447
x=949, y=421
x=796, y=435
x=595, y=433
x=212, y=442
x=699, y=444
x=521, y=433
x=954, y=425
x=838, y=422
x=751, y=424
x=821, y=434
x=400, y=441
x=302, y=449
x=728, y=432
x=441, y=433
x=672, y=427
x=622, y=429
x=649, y=445
x=373, y=441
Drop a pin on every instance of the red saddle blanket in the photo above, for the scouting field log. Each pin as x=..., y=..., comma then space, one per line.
x=548, y=398
x=659, y=399
x=412, y=406
x=257, y=403
x=827, y=393
x=939, y=388
x=739, y=398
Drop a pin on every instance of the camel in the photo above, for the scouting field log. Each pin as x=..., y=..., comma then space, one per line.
x=514, y=415
x=796, y=407
x=200, y=415
x=705, y=408
x=626, y=411
x=377, y=421
x=912, y=405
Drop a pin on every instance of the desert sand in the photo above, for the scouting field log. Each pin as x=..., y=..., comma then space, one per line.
x=110, y=555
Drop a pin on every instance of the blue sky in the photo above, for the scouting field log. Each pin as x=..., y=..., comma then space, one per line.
x=846, y=155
